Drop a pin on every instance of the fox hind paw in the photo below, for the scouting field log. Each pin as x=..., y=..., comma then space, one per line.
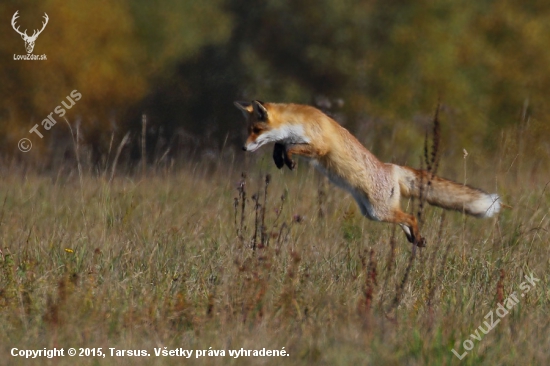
x=420, y=242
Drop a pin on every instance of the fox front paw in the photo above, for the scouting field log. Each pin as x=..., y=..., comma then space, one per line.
x=291, y=164
x=279, y=155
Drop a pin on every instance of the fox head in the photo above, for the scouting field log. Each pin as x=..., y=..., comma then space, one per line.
x=265, y=126
x=259, y=127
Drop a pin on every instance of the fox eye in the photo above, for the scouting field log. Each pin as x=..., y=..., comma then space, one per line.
x=256, y=130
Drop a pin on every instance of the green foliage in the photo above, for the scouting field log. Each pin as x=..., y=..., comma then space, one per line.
x=396, y=59
x=110, y=51
x=184, y=62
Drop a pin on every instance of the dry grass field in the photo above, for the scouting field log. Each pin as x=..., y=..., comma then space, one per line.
x=174, y=259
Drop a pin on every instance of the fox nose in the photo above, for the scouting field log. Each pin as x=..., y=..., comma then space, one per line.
x=244, y=147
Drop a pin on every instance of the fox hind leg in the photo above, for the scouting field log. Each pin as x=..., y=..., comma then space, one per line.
x=409, y=224
x=408, y=232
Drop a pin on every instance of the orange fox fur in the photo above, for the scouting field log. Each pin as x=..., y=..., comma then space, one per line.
x=376, y=187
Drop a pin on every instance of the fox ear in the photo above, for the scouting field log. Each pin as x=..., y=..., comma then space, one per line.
x=259, y=110
x=245, y=107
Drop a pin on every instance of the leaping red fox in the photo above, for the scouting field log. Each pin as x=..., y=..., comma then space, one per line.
x=376, y=187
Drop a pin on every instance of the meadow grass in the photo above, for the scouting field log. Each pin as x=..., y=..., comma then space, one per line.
x=170, y=259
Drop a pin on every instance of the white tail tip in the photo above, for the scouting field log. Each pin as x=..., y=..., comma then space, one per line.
x=494, y=204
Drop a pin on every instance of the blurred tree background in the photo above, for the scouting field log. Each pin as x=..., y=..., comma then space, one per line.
x=379, y=66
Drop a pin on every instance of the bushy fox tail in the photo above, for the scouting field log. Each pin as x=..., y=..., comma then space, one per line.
x=447, y=194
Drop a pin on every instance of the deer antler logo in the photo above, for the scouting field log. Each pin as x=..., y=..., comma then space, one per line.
x=29, y=41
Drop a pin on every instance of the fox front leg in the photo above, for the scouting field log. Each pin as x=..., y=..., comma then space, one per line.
x=278, y=155
x=304, y=150
x=281, y=157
